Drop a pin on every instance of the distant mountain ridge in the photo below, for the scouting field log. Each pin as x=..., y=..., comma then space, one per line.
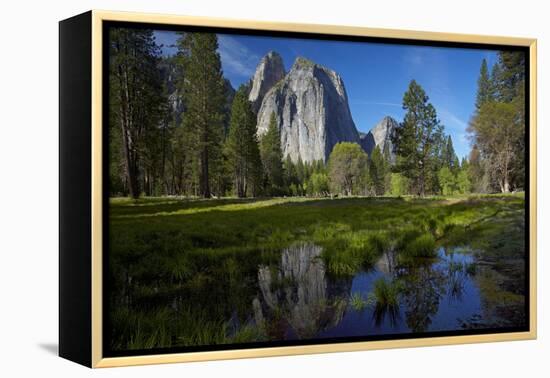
x=380, y=135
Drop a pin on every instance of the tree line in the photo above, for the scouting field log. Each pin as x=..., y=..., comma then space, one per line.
x=175, y=128
x=497, y=128
x=178, y=128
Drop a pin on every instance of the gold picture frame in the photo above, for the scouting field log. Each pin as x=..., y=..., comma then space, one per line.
x=95, y=20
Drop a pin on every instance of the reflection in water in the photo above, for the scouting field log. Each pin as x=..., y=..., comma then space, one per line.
x=387, y=263
x=290, y=295
x=422, y=291
x=297, y=293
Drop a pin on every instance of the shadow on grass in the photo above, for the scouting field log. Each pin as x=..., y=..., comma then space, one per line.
x=128, y=207
x=150, y=207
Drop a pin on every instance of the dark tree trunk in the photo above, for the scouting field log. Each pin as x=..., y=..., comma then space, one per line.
x=125, y=120
x=204, y=179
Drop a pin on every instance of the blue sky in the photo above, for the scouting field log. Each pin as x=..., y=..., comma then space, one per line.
x=375, y=75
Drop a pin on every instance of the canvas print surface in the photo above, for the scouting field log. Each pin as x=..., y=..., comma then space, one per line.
x=290, y=189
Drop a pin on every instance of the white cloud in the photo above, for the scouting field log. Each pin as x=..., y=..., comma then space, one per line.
x=359, y=102
x=456, y=127
x=236, y=58
x=455, y=121
x=415, y=56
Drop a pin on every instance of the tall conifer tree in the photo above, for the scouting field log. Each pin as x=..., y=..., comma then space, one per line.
x=137, y=104
x=377, y=171
x=415, y=141
x=203, y=94
x=242, y=146
x=484, y=86
x=272, y=156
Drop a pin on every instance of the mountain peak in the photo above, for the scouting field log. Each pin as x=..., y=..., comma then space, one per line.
x=269, y=71
x=272, y=54
x=380, y=135
x=302, y=62
x=312, y=111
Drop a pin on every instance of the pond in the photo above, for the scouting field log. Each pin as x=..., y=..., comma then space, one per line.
x=434, y=295
x=294, y=297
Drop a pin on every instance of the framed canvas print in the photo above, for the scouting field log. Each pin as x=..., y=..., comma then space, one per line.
x=235, y=189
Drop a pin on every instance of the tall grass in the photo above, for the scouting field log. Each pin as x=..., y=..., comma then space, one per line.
x=386, y=297
x=349, y=252
x=386, y=293
x=421, y=246
x=357, y=302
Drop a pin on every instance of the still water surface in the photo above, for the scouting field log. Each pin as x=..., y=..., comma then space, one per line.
x=435, y=295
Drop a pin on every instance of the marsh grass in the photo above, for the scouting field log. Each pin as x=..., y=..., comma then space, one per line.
x=157, y=329
x=385, y=296
x=164, y=328
x=456, y=278
x=357, y=302
x=421, y=246
x=205, y=249
x=386, y=293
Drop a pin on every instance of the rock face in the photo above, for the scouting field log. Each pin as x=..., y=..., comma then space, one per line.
x=312, y=112
x=298, y=295
x=172, y=74
x=229, y=93
x=270, y=70
x=366, y=140
x=380, y=135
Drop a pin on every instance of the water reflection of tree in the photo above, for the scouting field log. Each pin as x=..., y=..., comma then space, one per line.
x=296, y=299
x=456, y=279
x=422, y=288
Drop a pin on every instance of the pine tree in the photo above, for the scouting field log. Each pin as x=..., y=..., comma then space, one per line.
x=377, y=171
x=388, y=166
x=272, y=157
x=450, y=159
x=415, y=140
x=256, y=168
x=511, y=75
x=290, y=174
x=136, y=105
x=183, y=161
x=242, y=146
x=300, y=170
x=203, y=92
x=495, y=82
x=484, y=86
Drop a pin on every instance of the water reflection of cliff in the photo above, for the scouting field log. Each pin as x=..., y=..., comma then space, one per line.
x=296, y=299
